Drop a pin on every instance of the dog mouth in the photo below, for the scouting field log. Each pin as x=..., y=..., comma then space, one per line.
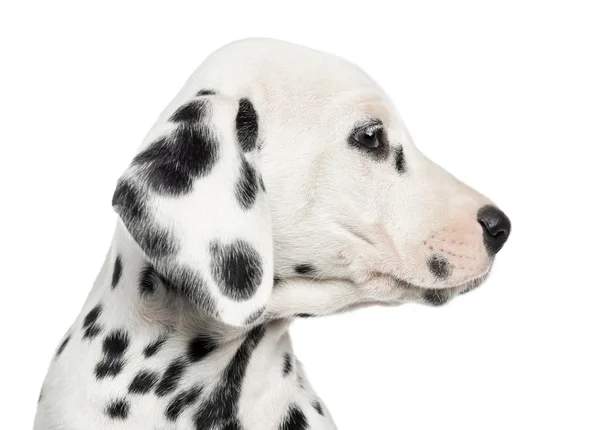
x=440, y=296
x=436, y=296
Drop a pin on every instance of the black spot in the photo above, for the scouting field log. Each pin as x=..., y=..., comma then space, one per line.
x=92, y=316
x=41, y=395
x=317, y=405
x=400, y=162
x=153, y=347
x=181, y=401
x=206, y=93
x=305, y=315
x=128, y=201
x=232, y=425
x=191, y=112
x=146, y=280
x=190, y=284
x=172, y=163
x=295, y=420
x=262, y=184
x=62, y=346
x=171, y=377
x=115, y=343
x=117, y=270
x=305, y=269
x=92, y=331
x=108, y=367
x=287, y=364
x=90, y=326
x=157, y=242
x=118, y=409
x=246, y=123
x=254, y=315
x=439, y=266
x=236, y=268
x=143, y=382
x=221, y=408
x=246, y=187
x=276, y=280
x=153, y=239
x=114, y=346
x=200, y=347
x=436, y=297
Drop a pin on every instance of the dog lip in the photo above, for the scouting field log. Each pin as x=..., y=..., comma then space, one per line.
x=461, y=288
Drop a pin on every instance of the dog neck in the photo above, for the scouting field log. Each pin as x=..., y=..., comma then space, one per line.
x=153, y=341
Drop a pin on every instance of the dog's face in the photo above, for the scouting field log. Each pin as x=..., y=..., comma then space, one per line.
x=353, y=200
x=358, y=215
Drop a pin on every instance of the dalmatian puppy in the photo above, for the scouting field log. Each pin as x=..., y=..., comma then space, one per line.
x=279, y=183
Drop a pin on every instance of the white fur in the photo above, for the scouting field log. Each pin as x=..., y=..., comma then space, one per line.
x=367, y=229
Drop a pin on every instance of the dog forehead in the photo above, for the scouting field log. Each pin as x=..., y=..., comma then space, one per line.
x=282, y=72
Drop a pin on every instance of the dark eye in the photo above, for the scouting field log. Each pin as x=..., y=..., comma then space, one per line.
x=368, y=138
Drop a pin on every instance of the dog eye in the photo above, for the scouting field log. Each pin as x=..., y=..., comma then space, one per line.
x=368, y=138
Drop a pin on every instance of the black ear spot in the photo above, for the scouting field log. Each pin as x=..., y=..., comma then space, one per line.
x=246, y=187
x=118, y=409
x=400, y=161
x=173, y=162
x=129, y=202
x=439, y=266
x=206, y=93
x=294, y=420
x=246, y=123
x=117, y=271
x=236, y=268
x=192, y=112
x=305, y=269
x=154, y=240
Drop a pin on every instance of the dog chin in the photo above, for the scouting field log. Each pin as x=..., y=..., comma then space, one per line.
x=436, y=295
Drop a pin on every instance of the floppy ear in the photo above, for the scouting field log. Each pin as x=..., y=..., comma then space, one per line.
x=194, y=201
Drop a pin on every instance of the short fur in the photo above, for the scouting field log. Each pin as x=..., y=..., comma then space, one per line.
x=279, y=183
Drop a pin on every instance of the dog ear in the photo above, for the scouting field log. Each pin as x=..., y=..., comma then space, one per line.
x=194, y=201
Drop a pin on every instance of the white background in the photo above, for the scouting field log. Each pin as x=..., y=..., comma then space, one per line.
x=506, y=95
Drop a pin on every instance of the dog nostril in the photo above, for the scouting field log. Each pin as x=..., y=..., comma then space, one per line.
x=496, y=228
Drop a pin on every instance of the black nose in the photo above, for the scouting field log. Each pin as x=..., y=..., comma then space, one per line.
x=496, y=228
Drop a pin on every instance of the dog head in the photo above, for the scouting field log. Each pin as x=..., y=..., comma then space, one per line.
x=281, y=181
